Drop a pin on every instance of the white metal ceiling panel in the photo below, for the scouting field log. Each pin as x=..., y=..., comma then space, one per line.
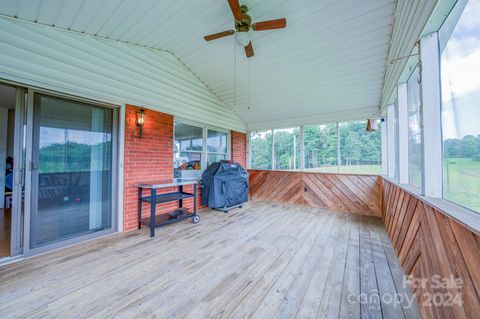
x=333, y=57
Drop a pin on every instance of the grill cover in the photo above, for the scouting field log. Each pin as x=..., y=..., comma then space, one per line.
x=225, y=184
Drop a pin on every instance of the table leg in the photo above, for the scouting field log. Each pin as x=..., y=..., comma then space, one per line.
x=180, y=201
x=195, y=199
x=139, y=208
x=153, y=205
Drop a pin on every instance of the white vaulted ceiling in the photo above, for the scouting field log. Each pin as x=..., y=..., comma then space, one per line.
x=328, y=64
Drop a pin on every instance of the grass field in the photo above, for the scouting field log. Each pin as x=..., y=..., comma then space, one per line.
x=461, y=182
x=353, y=169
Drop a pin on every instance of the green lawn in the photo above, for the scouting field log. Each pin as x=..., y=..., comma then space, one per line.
x=352, y=169
x=461, y=182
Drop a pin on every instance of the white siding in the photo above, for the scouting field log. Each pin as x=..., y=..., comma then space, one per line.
x=411, y=17
x=108, y=71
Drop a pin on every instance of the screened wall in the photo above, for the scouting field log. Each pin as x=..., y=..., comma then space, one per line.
x=345, y=147
x=442, y=114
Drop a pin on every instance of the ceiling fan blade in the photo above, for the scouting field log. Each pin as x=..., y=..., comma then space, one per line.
x=249, y=49
x=219, y=35
x=270, y=24
x=235, y=7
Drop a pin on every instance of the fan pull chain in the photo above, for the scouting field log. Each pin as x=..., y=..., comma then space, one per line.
x=234, y=75
x=248, y=84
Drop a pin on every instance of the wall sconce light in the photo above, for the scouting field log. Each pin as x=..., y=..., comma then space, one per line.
x=140, y=120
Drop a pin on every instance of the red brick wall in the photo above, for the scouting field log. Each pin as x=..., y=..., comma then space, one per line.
x=239, y=148
x=151, y=158
x=147, y=158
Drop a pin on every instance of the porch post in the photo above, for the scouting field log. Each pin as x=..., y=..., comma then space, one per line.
x=391, y=140
x=432, y=115
x=249, y=149
x=383, y=129
x=402, y=134
x=273, y=150
x=302, y=149
x=339, y=159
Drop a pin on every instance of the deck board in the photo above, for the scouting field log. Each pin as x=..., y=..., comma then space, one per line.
x=265, y=260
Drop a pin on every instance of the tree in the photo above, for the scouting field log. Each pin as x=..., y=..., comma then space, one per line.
x=357, y=146
x=469, y=146
x=261, y=150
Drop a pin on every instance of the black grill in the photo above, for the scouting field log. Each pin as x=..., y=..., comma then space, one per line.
x=225, y=185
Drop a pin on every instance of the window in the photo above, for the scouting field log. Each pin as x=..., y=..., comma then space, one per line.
x=72, y=195
x=460, y=66
x=196, y=147
x=188, y=149
x=360, y=151
x=217, y=148
x=261, y=149
x=414, y=130
x=320, y=148
x=287, y=148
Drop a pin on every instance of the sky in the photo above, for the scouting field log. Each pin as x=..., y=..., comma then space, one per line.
x=460, y=70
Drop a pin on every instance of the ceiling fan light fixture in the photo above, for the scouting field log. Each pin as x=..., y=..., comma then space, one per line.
x=243, y=24
x=242, y=38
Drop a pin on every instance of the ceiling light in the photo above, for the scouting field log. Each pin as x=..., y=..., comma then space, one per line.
x=242, y=38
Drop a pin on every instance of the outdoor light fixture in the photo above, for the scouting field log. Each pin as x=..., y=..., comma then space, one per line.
x=140, y=120
x=372, y=125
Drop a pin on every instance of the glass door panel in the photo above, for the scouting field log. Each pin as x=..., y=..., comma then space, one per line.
x=71, y=170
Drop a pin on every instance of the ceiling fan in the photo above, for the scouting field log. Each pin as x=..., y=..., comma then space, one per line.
x=244, y=24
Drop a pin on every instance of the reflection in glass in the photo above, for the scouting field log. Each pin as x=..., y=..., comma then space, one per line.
x=74, y=176
x=216, y=142
x=460, y=67
x=188, y=137
x=188, y=148
x=212, y=158
x=187, y=160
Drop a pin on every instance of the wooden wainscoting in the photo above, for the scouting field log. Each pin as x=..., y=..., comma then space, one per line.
x=340, y=192
x=429, y=243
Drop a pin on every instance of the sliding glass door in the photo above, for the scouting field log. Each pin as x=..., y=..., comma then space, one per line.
x=71, y=169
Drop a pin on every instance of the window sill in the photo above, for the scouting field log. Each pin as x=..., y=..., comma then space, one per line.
x=309, y=172
x=466, y=217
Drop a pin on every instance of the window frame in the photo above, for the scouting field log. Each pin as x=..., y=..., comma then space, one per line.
x=204, y=152
x=227, y=146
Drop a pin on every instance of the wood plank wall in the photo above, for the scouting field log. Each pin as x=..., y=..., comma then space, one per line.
x=429, y=243
x=340, y=192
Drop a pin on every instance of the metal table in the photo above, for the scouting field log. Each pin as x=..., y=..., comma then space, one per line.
x=153, y=198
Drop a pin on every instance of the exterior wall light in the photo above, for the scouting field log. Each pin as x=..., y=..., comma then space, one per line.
x=140, y=120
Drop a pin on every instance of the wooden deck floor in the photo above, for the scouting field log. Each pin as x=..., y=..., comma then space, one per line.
x=263, y=261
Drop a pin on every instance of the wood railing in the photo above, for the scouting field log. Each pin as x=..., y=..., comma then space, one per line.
x=340, y=192
x=432, y=246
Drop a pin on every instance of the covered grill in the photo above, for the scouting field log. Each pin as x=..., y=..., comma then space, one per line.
x=225, y=185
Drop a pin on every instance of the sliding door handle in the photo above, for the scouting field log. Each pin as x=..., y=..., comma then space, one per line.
x=33, y=166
